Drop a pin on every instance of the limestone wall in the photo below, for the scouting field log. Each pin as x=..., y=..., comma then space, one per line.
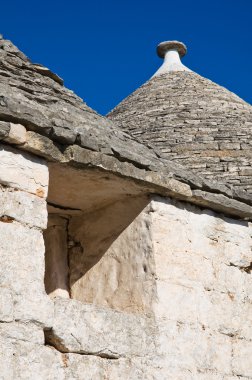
x=203, y=308
x=185, y=312
x=25, y=309
x=195, y=323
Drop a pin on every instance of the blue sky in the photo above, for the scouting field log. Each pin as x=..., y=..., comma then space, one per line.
x=105, y=49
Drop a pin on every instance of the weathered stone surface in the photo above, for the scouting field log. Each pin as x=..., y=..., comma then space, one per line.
x=221, y=203
x=6, y=359
x=42, y=146
x=171, y=183
x=17, y=134
x=23, y=207
x=22, y=171
x=204, y=127
x=22, y=272
x=30, y=96
x=199, y=309
x=10, y=49
x=62, y=135
x=99, y=331
x=92, y=367
x=37, y=361
x=166, y=182
x=242, y=351
x=6, y=305
x=154, y=181
x=111, y=264
x=47, y=72
x=202, y=304
x=81, y=157
x=26, y=332
x=4, y=129
x=184, y=347
x=100, y=369
x=25, y=360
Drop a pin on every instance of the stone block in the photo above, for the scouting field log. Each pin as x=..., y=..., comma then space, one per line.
x=23, y=171
x=246, y=171
x=22, y=272
x=23, y=207
x=18, y=331
x=37, y=362
x=17, y=134
x=230, y=146
x=4, y=129
x=93, y=330
x=42, y=146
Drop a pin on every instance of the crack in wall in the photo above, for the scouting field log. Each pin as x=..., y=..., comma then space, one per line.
x=247, y=269
x=51, y=339
x=57, y=206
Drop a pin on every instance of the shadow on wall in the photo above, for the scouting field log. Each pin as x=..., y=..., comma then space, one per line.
x=101, y=256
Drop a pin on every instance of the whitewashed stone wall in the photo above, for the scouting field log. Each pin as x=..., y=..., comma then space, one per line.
x=199, y=324
x=198, y=321
x=203, y=308
x=25, y=309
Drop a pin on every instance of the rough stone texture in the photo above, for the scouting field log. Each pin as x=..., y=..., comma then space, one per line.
x=17, y=134
x=33, y=211
x=198, y=321
x=27, y=332
x=22, y=217
x=25, y=360
x=6, y=305
x=221, y=203
x=193, y=122
x=4, y=129
x=175, y=182
x=203, y=290
x=30, y=95
x=99, y=331
x=197, y=324
x=116, y=255
x=23, y=171
x=42, y=146
x=242, y=350
x=22, y=270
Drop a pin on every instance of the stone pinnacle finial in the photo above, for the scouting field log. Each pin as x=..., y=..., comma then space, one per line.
x=171, y=51
x=165, y=46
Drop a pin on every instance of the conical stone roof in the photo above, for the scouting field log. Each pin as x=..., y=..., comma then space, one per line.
x=192, y=121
